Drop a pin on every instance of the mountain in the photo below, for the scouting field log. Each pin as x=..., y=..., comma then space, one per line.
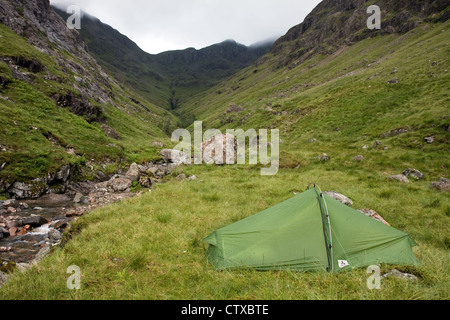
x=169, y=78
x=333, y=24
x=58, y=106
x=336, y=84
x=362, y=112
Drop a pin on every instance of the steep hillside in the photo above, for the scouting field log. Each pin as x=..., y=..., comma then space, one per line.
x=376, y=102
x=169, y=78
x=388, y=86
x=58, y=106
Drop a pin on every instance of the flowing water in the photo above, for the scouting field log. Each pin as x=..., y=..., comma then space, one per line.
x=23, y=248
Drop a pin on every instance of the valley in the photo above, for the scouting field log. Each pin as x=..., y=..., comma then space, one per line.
x=361, y=112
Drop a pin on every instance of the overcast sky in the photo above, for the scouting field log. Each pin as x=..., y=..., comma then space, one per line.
x=162, y=25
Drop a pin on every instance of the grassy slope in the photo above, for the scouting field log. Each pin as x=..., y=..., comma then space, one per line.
x=151, y=247
x=24, y=106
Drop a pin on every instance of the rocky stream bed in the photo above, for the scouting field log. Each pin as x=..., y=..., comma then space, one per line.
x=30, y=227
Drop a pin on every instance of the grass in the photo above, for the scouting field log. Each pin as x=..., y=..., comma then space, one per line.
x=29, y=115
x=151, y=247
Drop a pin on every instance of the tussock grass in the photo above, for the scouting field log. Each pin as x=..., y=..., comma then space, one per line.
x=151, y=247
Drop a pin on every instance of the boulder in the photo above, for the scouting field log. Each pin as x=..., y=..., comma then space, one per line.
x=145, y=181
x=413, y=173
x=35, y=189
x=60, y=176
x=400, y=275
x=181, y=177
x=221, y=149
x=429, y=140
x=133, y=172
x=54, y=235
x=13, y=224
x=77, y=198
x=393, y=81
x=400, y=177
x=120, y=184
x=158, y=144
x=443, y=184
x=373, y=214
x=358, y=158
x=35, y=221
x=324, y=157
x=175, y=156
x=340, y=197
x=10, y=203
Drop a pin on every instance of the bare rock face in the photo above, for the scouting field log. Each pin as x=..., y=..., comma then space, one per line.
x=349, y=17
x=43, y=28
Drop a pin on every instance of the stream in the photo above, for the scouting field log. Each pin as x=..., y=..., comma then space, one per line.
x=24, y=245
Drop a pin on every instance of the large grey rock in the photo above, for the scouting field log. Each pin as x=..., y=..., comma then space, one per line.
x=221, y=149
x=324, y=157
x=34, y=222
x=77, y=198
x=374, y=215
x=133, y=172
x=413, y=173
x=340, y=197
x=400, y=275
x=400, y=177
x=34, y=189
x=175, y=156
x=443, y=184
x=119, y=184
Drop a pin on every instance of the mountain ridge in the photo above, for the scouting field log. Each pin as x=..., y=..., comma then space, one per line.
x=170, y=77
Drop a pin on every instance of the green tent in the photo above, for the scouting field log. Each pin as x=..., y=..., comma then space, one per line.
x=309, y=232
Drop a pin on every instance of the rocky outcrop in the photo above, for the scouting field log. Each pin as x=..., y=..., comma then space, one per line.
x=333, y=24
x=43, y=28
x=39, y=186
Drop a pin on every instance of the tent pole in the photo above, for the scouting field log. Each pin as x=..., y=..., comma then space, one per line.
x=329, y=229
x=327, y=215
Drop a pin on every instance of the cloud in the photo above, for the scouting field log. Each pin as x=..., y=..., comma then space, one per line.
x=161, y=25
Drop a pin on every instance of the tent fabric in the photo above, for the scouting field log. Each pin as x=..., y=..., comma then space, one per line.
x=309, y=232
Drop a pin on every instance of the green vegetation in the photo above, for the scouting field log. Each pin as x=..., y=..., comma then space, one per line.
x=150, y=247
x=167, y=79
x=37, y=133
